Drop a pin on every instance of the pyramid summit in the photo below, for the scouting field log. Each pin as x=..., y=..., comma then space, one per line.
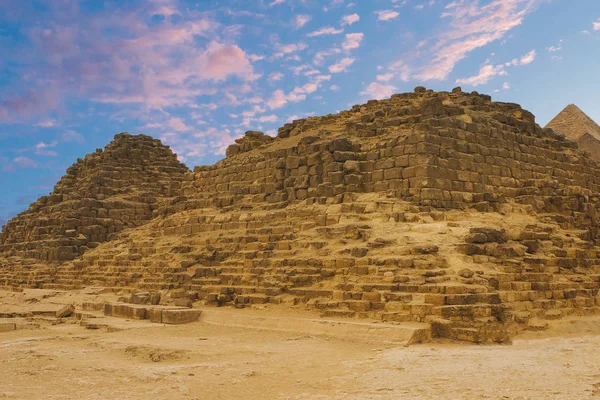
x=439, y=208
x=577, y=126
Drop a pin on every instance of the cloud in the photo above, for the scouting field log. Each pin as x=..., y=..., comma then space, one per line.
x=352, y=41
x=385, y=77
x=268, y=118
x=145, y=63
x=489, y=71
x=43, y=149
x=524, y=60
x=506, y=86
x=321, y=55
x=342, y=66
x=486, y=73
x=165, y=11
x=596, y=25
x=277, y=100
x=301, y=20
x=386, y=15
x=71, y=136
x=178, y=125
x=220, y=61
x=378, y=91
x=469, y=25
x=527, y=58
x=284, y=49
x=328, y=30
x=255, y=57
x=28, y=104
x=350, y=19
x=556, y=48
x=47, y=123
x=275, y=76
x=275, y=2
x=19, y=163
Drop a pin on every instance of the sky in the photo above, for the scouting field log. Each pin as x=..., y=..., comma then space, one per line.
x=198, y=74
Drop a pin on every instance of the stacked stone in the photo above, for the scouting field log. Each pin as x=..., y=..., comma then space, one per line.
x=443, y=150
x=288, y=218
x=100, y=195
x=250, y=141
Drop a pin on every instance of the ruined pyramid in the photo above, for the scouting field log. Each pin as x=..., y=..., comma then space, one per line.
x=442, y=208
x=575, y=125
x=105, y=192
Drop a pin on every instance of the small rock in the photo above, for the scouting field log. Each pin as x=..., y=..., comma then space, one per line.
x=466, y=273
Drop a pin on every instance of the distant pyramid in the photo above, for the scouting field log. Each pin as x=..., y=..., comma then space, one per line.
x=578, y=127
x=101, y=194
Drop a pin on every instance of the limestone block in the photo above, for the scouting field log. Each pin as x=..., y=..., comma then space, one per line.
x=65, y=311
x=182, y=316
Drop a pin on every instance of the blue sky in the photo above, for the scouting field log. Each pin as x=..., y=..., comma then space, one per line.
x=198, y=74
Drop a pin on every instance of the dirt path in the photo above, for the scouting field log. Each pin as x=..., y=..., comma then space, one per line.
x=197, y=361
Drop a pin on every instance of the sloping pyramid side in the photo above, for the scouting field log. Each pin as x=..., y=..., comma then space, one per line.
x=574, y=124
x=101, y=194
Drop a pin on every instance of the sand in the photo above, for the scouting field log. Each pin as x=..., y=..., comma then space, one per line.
x=201, y=361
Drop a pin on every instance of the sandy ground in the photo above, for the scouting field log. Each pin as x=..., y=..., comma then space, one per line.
x=199, y=361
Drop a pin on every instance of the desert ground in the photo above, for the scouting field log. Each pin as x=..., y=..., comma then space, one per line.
x=140, y=360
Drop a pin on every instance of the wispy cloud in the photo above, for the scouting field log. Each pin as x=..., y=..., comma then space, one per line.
x=341, y=66
x=489, y=71
x=327, y=30
x=556, y=48
x=470, y=26
x=385, y=77
x=386, y=15
x=352, y=41
x=140, y=62
x=486, y=73
x=71, y=136
x=43, y=149
x=47, y=123
x=19, y=163
x=378, y=91
x=301, y=20
x=350, y=19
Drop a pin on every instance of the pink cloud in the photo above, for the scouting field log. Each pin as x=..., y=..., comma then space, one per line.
x=350, y=19
x=353, y=41
x=71, y=136
x=300, y=20
x=43, y=149
x=386, y=15
x=341, y=66
x=470, y=26
x=28, y=104
x=327, y=30
x=221, y=61
x=19, y=163
x=489, y=71
x=486, y=73
x=155, y=65
x=277, y=100
x=378, y=91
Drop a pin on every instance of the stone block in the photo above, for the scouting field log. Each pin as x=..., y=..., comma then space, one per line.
x=65, y=311
x=183, y=316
